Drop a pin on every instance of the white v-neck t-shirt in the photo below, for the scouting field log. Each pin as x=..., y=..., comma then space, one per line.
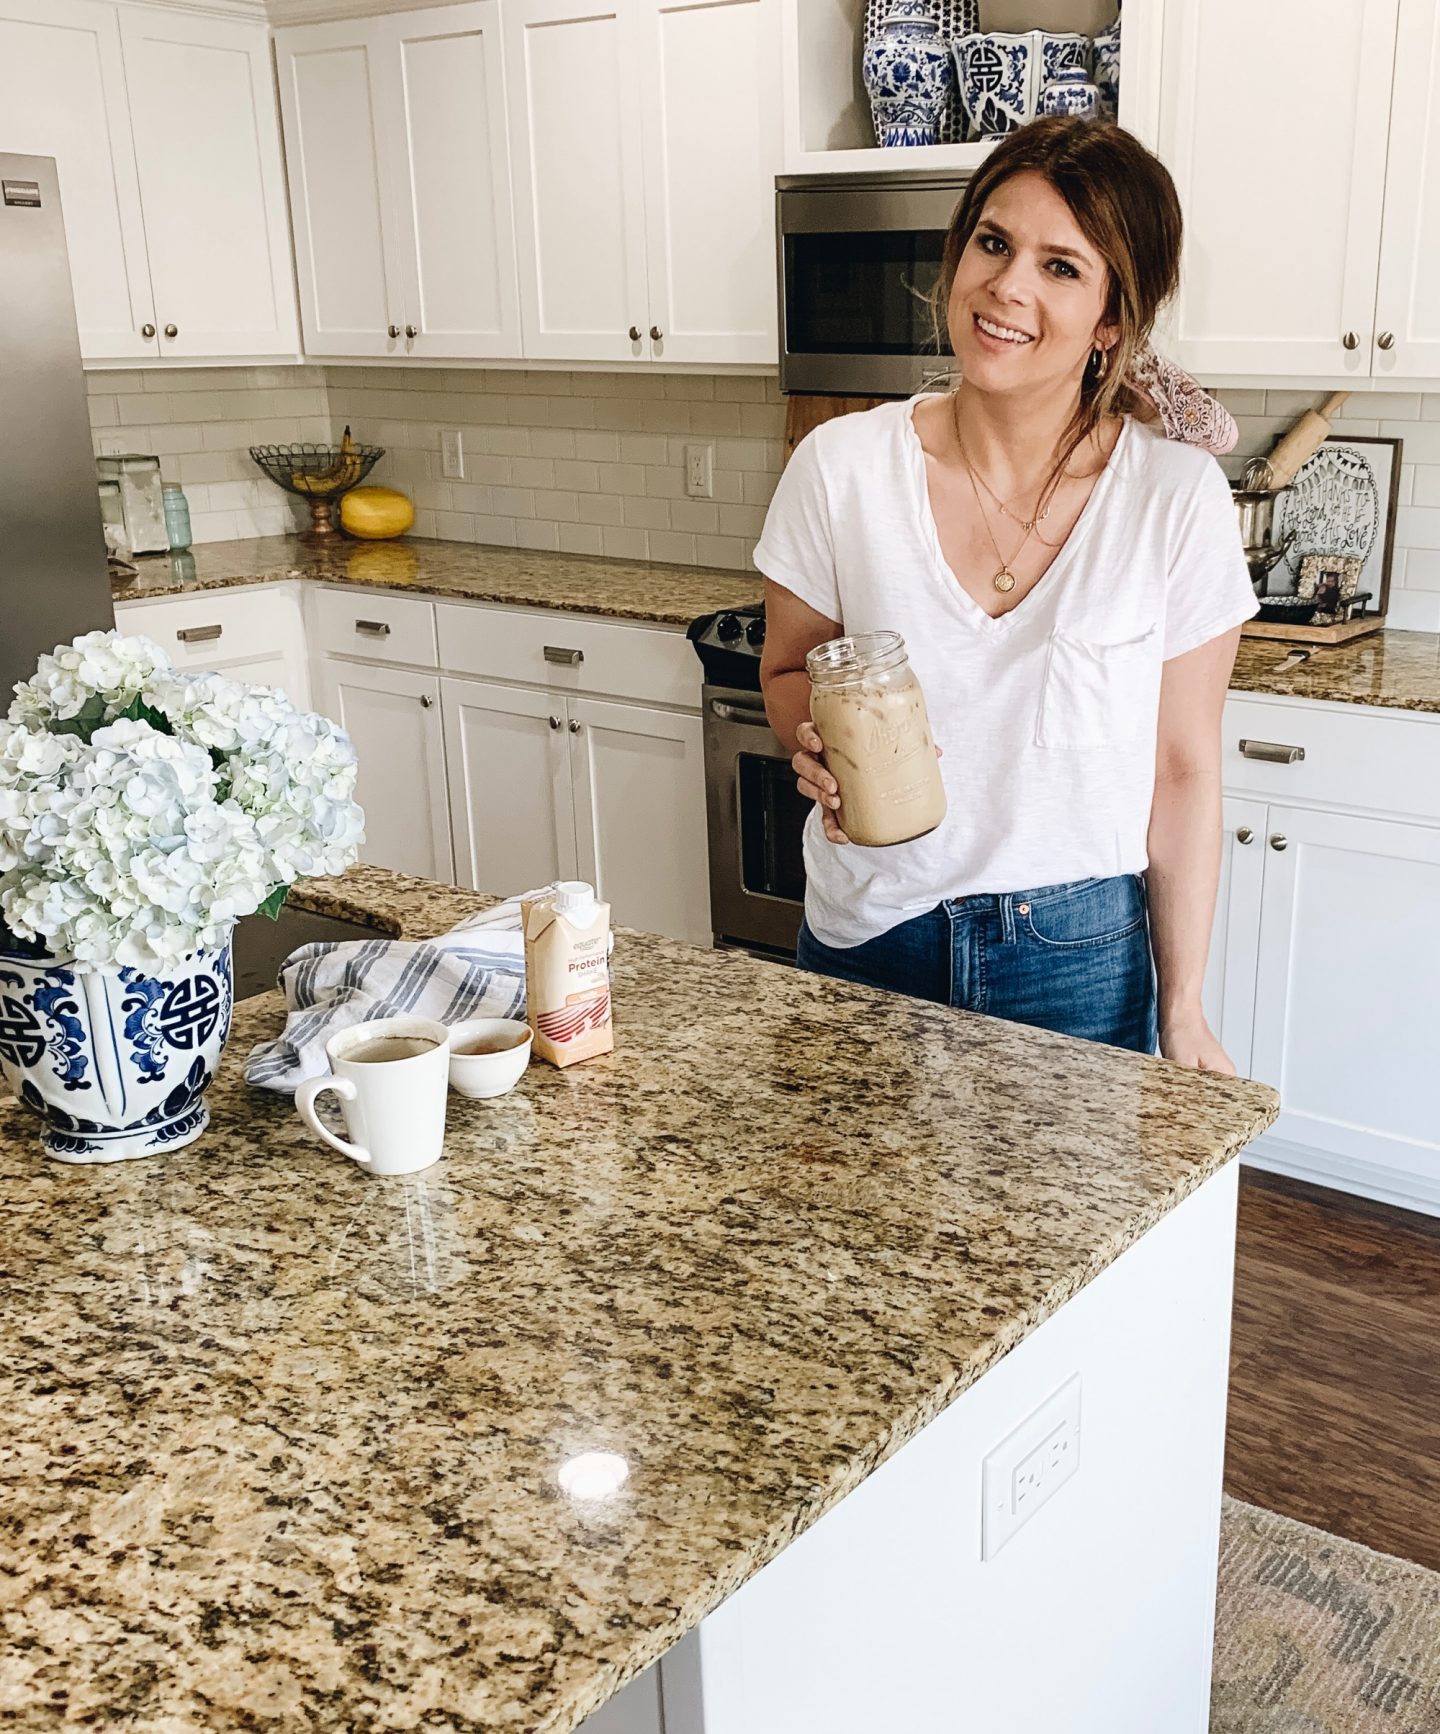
x=1048, y=714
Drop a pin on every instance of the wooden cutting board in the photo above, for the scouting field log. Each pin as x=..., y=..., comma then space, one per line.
x=1340, y=633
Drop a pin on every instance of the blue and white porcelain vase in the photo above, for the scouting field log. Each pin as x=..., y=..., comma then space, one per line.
x=907, y=72
x=999, y=74
x=114, y=1062
x=1071, y=92
x=1107, y=69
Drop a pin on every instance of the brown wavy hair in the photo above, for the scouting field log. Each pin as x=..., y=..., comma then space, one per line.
x=1125, y=204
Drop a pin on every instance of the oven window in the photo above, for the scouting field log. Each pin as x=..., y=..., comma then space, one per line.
x=772, y=816
x=861, y=294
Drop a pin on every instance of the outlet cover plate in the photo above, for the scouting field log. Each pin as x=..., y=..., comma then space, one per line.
x=1030, y=1466
x=452, y=455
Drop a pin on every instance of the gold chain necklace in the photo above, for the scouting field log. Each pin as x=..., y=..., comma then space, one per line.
x=1004, y=579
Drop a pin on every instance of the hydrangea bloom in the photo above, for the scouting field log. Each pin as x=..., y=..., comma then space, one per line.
x=166, y=806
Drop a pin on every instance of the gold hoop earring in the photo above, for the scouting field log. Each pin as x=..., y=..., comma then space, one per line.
x=1100, y=361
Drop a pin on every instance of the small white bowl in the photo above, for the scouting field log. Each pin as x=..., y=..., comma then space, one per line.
x=494, y=1073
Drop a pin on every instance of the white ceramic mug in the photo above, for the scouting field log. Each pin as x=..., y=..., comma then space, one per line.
x=394, y=1108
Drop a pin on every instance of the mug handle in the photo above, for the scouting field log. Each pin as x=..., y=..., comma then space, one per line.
x=305, y=1103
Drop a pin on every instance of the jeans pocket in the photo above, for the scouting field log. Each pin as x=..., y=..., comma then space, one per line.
x=1098, y=913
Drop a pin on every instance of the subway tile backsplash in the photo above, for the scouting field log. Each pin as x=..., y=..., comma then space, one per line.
x=594, y=463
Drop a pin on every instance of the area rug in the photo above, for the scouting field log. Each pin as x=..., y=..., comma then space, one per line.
x=1316, y=1635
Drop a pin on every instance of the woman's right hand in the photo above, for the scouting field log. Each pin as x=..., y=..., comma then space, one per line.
x=815, y=782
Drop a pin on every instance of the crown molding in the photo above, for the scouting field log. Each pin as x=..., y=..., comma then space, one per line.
x=285, y=12
x=246, y=11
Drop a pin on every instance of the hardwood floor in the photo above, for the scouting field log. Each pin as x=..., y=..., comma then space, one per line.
x=1335, y=1365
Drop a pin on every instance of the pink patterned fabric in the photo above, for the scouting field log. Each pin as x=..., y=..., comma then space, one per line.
x=1187, y=411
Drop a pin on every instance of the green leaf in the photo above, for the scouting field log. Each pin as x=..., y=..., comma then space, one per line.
x=138, y=711
x=271, y=905
x=91, y=717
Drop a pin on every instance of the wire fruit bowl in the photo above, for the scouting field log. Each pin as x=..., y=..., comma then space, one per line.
x=319, y=475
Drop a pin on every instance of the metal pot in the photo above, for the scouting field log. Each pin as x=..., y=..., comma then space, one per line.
x=1255, y=509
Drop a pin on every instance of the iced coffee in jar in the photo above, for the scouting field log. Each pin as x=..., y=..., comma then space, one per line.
x=870, y=711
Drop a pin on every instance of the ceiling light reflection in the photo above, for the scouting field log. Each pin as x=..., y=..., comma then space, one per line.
x=594, y=1474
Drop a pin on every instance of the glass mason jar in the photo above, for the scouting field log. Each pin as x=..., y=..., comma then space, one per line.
x=870, y=712
x=177, y=517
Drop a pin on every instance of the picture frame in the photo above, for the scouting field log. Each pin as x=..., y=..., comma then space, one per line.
x=1344, y=502
x=1331, y=580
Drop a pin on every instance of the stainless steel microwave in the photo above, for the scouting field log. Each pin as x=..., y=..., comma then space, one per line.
x=857, y=256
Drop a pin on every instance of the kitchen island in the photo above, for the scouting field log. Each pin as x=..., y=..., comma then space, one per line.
x=289, y=1447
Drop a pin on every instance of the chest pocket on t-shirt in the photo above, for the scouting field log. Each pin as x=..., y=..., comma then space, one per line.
x=1098, y=693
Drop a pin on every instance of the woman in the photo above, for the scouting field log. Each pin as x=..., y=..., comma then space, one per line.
x=1070, y=585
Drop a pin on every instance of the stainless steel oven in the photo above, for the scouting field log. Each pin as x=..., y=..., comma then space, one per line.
x=857, y=256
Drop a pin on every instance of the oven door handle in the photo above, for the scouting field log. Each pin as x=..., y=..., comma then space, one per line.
x=739, y=714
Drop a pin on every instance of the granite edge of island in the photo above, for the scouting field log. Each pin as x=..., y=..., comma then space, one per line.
x=414, y=906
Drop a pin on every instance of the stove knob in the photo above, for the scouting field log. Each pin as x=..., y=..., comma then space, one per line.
x=755, y=631
x=728, y=628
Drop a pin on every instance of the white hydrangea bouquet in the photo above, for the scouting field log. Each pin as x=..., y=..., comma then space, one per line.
x=142, y=812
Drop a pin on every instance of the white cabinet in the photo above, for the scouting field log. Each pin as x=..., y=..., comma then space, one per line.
x=202, y=109
x=399, y=169
x=1283, y=206
x=62, y=95
x=1228, y=993
x=393, y=717
x=645, y=137
x=1407, y=309
x=545, y=786
x=255, y=635
x=163, y=125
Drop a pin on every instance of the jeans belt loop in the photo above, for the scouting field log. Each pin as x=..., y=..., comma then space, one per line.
x=1007, y=918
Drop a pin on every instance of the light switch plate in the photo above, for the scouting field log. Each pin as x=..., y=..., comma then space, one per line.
x=1030, y=1466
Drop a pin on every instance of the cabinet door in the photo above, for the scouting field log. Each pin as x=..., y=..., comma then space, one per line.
x=640, y=815
x=331, y=103
x=574, y=104
x=207, y=144
x=1274, y=121
x=1229, y=989
x=448, y=152
x=1347, y=1000
x=62, y=95
x=393, y=718
x=710, y=73
x=275, y=670
x=1407, y=309
x=510, y=804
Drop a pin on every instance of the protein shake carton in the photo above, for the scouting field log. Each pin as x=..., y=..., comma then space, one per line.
x=567, y=973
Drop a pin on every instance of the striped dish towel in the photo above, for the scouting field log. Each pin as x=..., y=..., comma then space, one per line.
x=476, y=970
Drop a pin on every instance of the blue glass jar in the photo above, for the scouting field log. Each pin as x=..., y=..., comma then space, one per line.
x=177, y=517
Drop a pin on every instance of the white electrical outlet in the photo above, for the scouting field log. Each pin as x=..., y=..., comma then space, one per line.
x=700, y=471
x=452, y=455
x=1029, y=1467
x=112, y=444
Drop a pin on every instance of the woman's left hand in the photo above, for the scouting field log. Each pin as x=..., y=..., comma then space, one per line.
x=1187, y=1039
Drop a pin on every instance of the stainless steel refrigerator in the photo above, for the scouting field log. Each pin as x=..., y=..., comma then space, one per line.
x=54, y=582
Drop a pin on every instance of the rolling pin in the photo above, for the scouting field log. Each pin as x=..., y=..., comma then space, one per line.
x=1302, y=442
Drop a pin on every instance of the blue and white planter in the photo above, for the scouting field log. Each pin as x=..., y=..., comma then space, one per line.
x=999, y=74
x=1063, y=51
x=1107, y=69
x=1071, y=92
x=115, y=1063
x=907, y=73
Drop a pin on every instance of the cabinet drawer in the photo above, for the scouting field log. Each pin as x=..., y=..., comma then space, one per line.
x=1387, y=761
x=217, y=627
x=377, y=627
x=636, y=662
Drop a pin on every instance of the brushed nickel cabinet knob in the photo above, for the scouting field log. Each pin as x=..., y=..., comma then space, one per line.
x=147, y=329
x=1279, y=841
x=575, y=728
x=410, y=331
x=554, y=722
x=426, y=701
x=1244, y=835
x=1386, y=339
x=656, y=333
x=392, y=331
x=1351, y=340
x=172, y=331
x=634, y=333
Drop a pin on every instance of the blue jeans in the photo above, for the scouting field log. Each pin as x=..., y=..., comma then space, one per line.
x=1073, y=958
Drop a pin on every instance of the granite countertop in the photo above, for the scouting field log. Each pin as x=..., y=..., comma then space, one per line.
x=466, y=571
x=283, y=1440
x=1398, y=670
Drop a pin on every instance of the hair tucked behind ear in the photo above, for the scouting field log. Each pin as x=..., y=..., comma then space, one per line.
x=1124, y=202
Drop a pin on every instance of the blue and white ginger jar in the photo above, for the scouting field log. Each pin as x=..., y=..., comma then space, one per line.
x=907, y=72
x=114, y=1062
x=1107, y=69
x=1071, y=92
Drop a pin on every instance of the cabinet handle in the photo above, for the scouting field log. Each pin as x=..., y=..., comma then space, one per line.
x=410, y=331
x=1279, y=841
x=197, y=634
x=634, y=333
x=392, y=330
x=375, y=628
x=1272, y=751
x=426, y=701
x=1386, y=340
x=172, y=330
x=1351, y=340
x=575, y=728
x=656, y=333
x=147, y=329
x=566, y=658
x=1244, y=835
x=554, y=722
